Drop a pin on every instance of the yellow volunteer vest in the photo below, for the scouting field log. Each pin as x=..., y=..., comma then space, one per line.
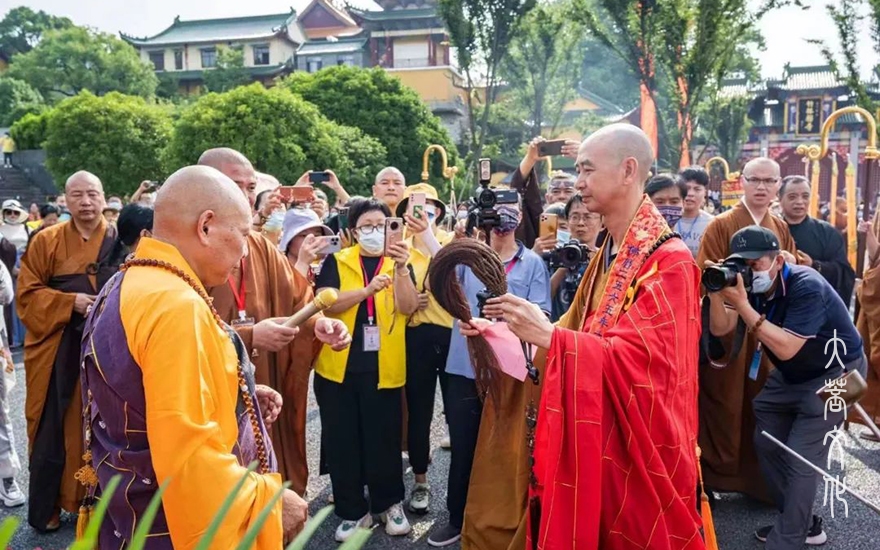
x=433, y=314
x=392, y=325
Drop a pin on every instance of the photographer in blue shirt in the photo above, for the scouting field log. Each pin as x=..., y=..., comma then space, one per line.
x=804, y=328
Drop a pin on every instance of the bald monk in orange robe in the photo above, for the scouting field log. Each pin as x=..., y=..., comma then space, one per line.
x=727, y=423
x=272, y=290
x=61, y=272
x=868, y=322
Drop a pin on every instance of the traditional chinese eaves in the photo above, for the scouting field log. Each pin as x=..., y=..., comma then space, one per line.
x=816, y=77
x=233, y=29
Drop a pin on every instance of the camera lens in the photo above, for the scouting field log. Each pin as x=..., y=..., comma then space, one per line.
x=486, y=199
x=394, y=226
x=716, y=278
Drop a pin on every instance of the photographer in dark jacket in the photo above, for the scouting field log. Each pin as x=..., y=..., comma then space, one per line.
x=795, y=314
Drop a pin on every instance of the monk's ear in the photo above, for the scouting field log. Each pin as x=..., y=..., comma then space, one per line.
x=630, y=170
x=205, y=224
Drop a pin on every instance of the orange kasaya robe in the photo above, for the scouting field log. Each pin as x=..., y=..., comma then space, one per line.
x=868, y=323
x=53, y=270
x=727, y=422
x=616, y=442
x=274, y=289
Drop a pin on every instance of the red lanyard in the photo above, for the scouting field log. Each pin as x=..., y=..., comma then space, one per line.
x=240, y=296
x=371, y=300
x=510, y=265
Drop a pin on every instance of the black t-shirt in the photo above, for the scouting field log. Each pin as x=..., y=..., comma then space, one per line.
x=359, y=361
x=807, y=306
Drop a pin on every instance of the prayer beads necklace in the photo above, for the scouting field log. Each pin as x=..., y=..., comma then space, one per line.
x=242, y=382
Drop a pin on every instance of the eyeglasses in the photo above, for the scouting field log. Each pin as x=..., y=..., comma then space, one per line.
x=368, y=229
x=766, y=182
x=575, y=218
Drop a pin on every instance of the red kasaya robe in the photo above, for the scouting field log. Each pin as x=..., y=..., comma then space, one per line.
x=615, y=446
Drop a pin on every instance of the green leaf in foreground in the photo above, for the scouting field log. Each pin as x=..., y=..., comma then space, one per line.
x=251, y=535
x=146, y=521
x=90, y=539
x=299, y=543
x=7, y=529
x=208, y=537
x=357, y=540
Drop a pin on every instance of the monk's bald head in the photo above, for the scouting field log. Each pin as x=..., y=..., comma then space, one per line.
x=84, y=195
x=760, y=180
x=203, y=214
x=235, y=166
x=613, y=164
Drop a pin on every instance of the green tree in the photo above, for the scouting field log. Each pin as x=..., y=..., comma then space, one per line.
x=280, y=132
x=69, y=61
x=229, y=72
x=607, y=75
x=17, y=99
x=21, y=29
x=382, y=107
x=119, y=138
x=29, y=132
x=541, y=68
x=481, y=32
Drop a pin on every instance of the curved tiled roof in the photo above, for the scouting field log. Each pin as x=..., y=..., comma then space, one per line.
x=214, y=30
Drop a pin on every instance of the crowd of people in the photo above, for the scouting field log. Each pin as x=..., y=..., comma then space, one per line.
x=163, y=321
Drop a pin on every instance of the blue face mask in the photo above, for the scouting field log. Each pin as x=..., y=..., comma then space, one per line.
x=562, y=237
x=671, y=213
x=508, y=220
x=275, y=221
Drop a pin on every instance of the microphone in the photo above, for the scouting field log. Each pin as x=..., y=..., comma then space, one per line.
x=322, y=301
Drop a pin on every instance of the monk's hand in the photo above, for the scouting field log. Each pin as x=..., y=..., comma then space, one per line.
x=417, y=226
x=333, y=333
x=294, y=514
x=272, y=335
x=82, y=303
x=270, y=403
x=525, y=319
x=474, y=327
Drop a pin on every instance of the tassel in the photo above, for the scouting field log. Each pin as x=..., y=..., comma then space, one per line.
x=705, y=510
x=82, y=521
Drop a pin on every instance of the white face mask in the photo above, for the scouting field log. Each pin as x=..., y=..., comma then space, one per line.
x=275, y=221
x=562, y=237
x=374, y=243
x=761, y=281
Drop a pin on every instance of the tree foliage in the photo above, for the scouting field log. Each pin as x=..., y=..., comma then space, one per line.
x=119, y=138
x=229, y=72
x=481, y=32
x=29, y=132
x=382, y=107
x=21, y=29
x=69, y=61
x=280, y=132
x=542, y=69
x=17, y=99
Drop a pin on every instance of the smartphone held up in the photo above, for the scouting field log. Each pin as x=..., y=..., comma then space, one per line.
x=393, y=233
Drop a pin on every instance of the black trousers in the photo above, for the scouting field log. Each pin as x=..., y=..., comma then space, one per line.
x=463, y=413
x=361, y=428
x=426, y=349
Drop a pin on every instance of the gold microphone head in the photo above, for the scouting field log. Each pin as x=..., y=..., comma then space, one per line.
x=326, y=298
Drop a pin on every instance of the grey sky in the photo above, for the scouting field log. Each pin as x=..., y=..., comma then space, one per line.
x=784, y=30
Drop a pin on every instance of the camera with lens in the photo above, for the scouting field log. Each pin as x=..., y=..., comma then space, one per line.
x=718, y=277
x=482, y=212
x=569, y=255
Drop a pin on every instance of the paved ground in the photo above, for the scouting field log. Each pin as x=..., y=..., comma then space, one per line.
x=736, y=517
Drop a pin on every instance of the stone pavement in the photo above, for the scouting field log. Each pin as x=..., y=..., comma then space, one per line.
x=736, y=517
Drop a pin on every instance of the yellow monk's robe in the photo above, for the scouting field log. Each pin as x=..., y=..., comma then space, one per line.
x=53, y=270
x=727, y=422
x=272, y=288
x=190, y=380
x=868, y=323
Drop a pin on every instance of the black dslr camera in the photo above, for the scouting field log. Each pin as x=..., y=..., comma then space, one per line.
x=718, y=277
x=482, y=213
x=569, y=256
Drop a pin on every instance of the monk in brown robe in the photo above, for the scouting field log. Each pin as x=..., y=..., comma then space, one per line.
x=727, y=423
x=62, y=271
x=868, y=322
x=255, y=305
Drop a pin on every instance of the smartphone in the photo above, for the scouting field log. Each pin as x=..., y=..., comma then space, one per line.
x=549, y=225
x=550, y=148
x=319, y=177
x=152, y=186
x=393, y=233
x=417, y=205
x=342, y=218
x=332, y=245
x=296, y=194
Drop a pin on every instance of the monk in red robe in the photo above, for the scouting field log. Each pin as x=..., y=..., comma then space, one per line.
x=615, y=447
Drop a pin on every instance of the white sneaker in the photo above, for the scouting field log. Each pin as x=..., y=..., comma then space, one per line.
x=395, y=520
x=10, y=493
x=347, y=528
x=420, y=498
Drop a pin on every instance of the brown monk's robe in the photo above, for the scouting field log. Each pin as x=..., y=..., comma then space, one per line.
x=868, y=323
x=57, y=252
x=727, y=422
x=274, y=289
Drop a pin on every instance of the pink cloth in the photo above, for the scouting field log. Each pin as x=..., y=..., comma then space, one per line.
x=507, y=348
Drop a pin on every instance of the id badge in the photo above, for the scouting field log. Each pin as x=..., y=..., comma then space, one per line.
x=756, y=364
x=371, y=338
x=243, y=322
